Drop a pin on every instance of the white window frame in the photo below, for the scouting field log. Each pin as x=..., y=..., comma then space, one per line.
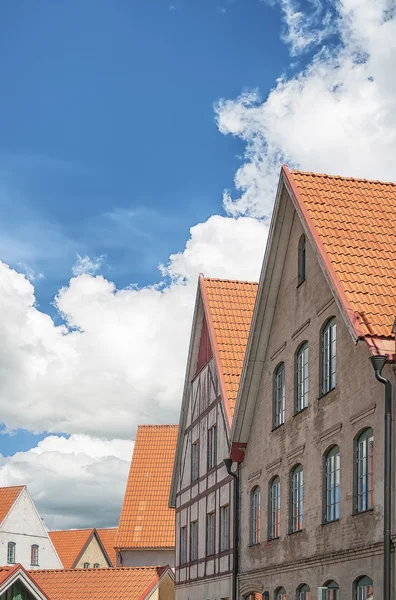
x=302, y=384
x=332, y=466
x=365, y=471
x=274, y=512
x=255, y=516
x=279, y=395
x=329, y=355
x=224, y=528
x=364, y=588
x=297, y=499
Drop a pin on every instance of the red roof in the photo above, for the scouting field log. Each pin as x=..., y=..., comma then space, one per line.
x=8, y=496
x=107, y=537
x=146, y=521
x=130, y=583
x=69, y=544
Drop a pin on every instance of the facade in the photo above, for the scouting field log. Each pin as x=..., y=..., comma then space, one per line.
x=85, y=548
x=146, y=531
x=17, y=584
x=23, y=537
x=308, y=431
x=202, y=489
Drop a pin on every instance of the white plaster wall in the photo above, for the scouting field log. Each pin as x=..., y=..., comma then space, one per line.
x=214, y=588
x=148, y=558
x=23, y=525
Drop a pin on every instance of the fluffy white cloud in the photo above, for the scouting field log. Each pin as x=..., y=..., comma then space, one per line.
x=85, y=264
x=337, y=116
x=75, y=482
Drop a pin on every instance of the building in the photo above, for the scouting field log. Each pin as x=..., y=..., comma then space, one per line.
x=308, y=430
x=17, y=584
x=202, y=489
x=85, y=548
x=133, y=583
x=146, y=531
x=23, y=537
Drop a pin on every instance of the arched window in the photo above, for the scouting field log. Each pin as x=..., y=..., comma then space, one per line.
x=274, y=512
x=329, y=338
x=365, y=471
x=255, y=516
x=302, y=377
x=330, y=591
x=96, y=566
x=279, y=395
x=332, y=484
x=34, y=555
x=303, y=592
x=11, y=552
x=280, y=594
x=297, y=498
x=364, y=589
x=86, y=565
x=302, y=259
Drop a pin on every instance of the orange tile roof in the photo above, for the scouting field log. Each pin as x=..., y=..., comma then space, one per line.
x=69, y=544
x=7, y=572
x=128, y=583
x=146, y=521
x=229, y=308
x=107, y=537
x=8, y=495
x=353, y=223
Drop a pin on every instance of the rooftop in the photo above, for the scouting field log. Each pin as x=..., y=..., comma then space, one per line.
x=8, y=496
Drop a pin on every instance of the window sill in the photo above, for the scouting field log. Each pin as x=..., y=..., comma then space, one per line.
x=363, y=512
x=294, y=532
x=326, y=393
x=254, y=545
x=274, y=539
x=276, y=427
x=330, y=522
x=298, y=412
x=301, y=282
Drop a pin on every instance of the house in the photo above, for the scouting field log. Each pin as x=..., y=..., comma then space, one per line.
x=23, y=537
x=146, y=531
x=17, y=584
x=202, y=488
x=128, y=583
x=85, y=548
x=308, y=431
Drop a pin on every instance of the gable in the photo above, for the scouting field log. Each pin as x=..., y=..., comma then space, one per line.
x=91, y=554
x=69, y=544
x=23, y=517
x=8, y=496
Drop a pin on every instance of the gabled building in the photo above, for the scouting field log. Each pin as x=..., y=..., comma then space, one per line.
x=133, y=583
x=85, y=548
x=23, y=536
x=16, y=583
x=146, y=531
x=308, y=432
x=202, y=489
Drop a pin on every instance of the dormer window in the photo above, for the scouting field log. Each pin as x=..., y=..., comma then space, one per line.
x=301, y=259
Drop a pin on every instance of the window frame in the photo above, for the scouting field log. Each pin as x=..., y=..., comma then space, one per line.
x=274, y=511
x=224, y=528
x=210, y=533
x=328, y=358
x=280, y=593
x=325, y=589
x=302, y=260
x=96, y=566
x=255, y=516
x=34, y=555
x=212, y=448
x=86, y=565
x=12, y=560
x=279, y=396
x=194, y=541
x=334, y=505
x=303, y=589
x=195, y=461
x=183, y=554
x=367, y=582
x=367, y=435
x=301, y=402
x=296, y=498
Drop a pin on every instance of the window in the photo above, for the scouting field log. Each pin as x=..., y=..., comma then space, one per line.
x=280, y=594
x=330, y=591
x=364, y=589
x=212, y=447
x=195, y=461
x=279, y=395
x=11, y=552
x=34, y=555
x=194, y=540
x=301, y=259
x=224, y=528
x=255, y=516
x=365, y=471
x=86, y=565
x=210, y=534
x=302, y=377
x=332, y=484
x=297, y=498
x=303, y=592
x=274, y=513
x=329, y=338
x=183, y=545
x=96, y=566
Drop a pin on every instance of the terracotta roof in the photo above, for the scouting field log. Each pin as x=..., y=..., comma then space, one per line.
x=8, y=572
x=146, y=521
x=8, y=495
x=69, y=544
x=353, y=223
x=129, y=583
x=107, y=537
x=229, y=308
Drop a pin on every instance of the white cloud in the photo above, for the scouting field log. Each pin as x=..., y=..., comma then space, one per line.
x=85, y=264
x=75, y=482
x=337, y=116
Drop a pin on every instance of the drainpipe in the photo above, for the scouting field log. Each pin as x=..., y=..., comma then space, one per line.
x=378, y=363
x=228, y=464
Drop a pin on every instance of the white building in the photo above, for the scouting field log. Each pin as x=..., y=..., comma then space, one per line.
x=23, y=537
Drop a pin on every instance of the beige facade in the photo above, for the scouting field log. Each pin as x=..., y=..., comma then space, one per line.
x=348, y=548
x=92, y=555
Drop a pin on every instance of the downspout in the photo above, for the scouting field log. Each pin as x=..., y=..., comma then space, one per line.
x=228, y=464
x=378, y=363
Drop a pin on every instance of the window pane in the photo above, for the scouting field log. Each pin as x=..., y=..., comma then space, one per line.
x=302, y=378
x=329, y=338
x=364, y=589
x=224, y=528
x=195, y=461
x=332, y=484
x=297, y=498
x=194, y=540
x=255, y=517
x=365, y=471
x=274, y=529
x=210, y=534
x=279, y=396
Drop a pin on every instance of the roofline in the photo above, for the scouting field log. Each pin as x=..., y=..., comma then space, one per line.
x=153, y=586
x=85, y=546
x=28, y=580
x=22, y=488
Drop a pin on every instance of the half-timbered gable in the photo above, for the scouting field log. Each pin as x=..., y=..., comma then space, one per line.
x=201, y=487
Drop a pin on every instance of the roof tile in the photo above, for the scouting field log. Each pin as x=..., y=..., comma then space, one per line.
x=8, y=496
x=69, y=544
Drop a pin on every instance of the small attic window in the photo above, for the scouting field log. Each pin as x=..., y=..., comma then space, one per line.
x=301, y=259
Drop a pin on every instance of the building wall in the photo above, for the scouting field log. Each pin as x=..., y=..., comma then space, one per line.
x=340, y=550
x=23, y=525
x=166, y=589
x=93, y=555
x=147, y=558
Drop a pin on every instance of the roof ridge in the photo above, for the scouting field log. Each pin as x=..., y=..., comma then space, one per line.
x=158, y=425
x=74, y=529
x=96, y=570
x=245, y=281
x=341, y=177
